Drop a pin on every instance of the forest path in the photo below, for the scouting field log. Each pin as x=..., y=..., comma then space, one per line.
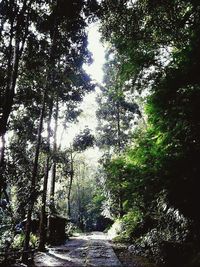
x=84, y=250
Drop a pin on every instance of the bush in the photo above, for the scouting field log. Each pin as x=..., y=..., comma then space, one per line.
x=33, y=241
x=130, y=221
x=122, y=230
x=19, y=240
x=71, y=229
x=116, y=229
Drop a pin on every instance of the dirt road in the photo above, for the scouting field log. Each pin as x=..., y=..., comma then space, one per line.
x=86, y=250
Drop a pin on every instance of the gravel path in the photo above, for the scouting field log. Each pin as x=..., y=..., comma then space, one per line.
x=84, y=250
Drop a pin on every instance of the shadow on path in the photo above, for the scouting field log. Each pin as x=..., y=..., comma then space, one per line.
x=91, y=250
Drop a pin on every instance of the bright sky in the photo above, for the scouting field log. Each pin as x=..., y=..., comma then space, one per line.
x=95, y=70
x=89, y=105
x=98, y=51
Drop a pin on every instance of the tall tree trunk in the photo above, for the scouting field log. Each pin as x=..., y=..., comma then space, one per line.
x=14, y=55
x=121, y=209
x=33, y=182
x=79, y=204
x=120, y=198
x=53, y=174
x=35, y=166
x=43, y=218
x=70, y=185
x=6, y=107
x=2, y=149
x=3, y=184
x=118, y=128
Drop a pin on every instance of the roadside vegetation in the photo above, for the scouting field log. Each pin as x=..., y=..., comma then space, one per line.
x=145, y=188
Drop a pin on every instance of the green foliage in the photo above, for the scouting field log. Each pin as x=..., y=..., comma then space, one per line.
x=6, y=238
x=6, y=228
x=43, y=48
x=129, y=223
x=151, y=175
x=19, y=240
x=33, y=240
x=156, y=44
x=117, y=110
x=83, y=140
x=71, y=229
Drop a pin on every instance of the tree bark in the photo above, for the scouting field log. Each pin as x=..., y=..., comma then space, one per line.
x=43, y=218
x=35, y=165
x=70, y=185
x=121, y=209
x=2, y=149
x=53, y=174
x=13, y=62
x=120, y=198
x=118, y=128
x=33, y=182
x=14, y=56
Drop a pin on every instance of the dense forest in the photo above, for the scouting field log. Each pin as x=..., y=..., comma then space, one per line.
x=144, y=189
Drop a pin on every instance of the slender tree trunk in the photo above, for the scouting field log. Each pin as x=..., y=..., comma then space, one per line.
x=3, y=184
x=79, y=204
x=121, y=209
x=2, y=149
x=120, y=198
x=14, y=55
x=118, y=128
x=53, y=174
x=6, y=107
x=35, y=165
x=33, y=182
x=43, y=218
x=70, y=185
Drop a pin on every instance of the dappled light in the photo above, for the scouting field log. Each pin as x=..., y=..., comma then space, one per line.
x=99, y=133
x=84, y=249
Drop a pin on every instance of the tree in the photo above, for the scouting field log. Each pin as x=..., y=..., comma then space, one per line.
x=48, y=71
x=117, y=115
x=156, y=45
x=117, y=112
x=81, y=142
x=16, y=18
